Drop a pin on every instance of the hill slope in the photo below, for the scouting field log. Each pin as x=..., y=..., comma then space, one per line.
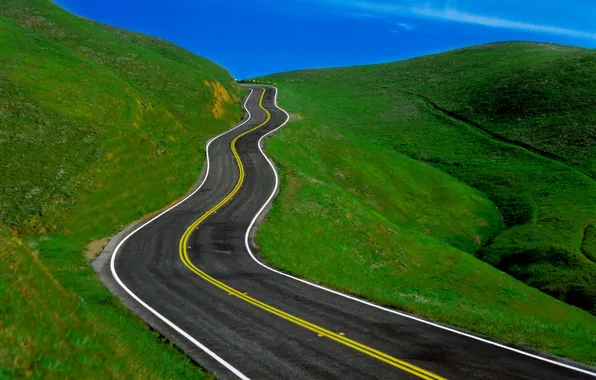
x=100, y=126
x=46, y=331
x=413, y=238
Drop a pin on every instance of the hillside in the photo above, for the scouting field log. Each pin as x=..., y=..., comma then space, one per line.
x=45, y=331
x=100, y=126
x=432, y=163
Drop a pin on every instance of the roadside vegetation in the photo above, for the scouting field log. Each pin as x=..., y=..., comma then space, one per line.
x=46, y=331
x=421, y=173
x=100, y=126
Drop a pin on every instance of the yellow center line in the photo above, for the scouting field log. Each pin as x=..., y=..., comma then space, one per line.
x=339, y=338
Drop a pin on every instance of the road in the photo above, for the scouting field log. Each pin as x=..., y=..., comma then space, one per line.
x=192, y=272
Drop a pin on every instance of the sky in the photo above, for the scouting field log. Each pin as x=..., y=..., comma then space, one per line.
x=257, y=37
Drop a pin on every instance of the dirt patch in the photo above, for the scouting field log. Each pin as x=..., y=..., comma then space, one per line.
x=296, y=117
x=94, y=248
x=221, y=97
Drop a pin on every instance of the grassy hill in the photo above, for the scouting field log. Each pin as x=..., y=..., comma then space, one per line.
x=415, y=169
x=100, y=126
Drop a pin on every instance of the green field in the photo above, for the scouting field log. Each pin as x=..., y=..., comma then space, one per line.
x=100, y=127
x=416, y=170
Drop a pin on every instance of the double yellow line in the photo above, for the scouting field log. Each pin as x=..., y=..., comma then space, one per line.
x=320, y=331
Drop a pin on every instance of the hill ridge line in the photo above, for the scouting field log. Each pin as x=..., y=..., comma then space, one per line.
x=478, y=127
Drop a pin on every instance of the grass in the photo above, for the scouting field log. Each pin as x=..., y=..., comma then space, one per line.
x=101, y=126
x=48, y=332
x=411, y=181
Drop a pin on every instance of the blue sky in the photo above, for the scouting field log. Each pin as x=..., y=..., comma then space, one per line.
x=256, y=37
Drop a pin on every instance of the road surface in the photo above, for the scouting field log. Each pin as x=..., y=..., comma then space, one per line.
x=191, y=274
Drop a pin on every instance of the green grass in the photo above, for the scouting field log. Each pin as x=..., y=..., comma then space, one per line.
x=48, y=332
x=100, y=126
x=410, y=182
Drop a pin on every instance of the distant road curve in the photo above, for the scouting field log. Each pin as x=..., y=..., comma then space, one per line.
x=191, y=273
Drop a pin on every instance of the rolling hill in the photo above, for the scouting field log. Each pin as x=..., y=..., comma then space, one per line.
x=100, y=126
x=421, y=172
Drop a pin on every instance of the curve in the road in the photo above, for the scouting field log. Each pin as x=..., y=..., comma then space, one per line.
x=183, y=243
x=201, y=346
x=320, y=331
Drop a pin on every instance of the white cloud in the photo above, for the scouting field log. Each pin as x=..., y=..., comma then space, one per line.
x=454, y=15
x=406, y=27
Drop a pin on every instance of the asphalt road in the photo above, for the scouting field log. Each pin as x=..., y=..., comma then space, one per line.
x=239, y=319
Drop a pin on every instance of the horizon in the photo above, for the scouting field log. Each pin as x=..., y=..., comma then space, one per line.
x=313, y=34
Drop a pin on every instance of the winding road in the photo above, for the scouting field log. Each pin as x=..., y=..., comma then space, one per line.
x=193, y=273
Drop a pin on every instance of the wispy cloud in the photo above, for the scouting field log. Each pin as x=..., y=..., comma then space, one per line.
x=406, y=27
x=452, y=14
x=463, y=17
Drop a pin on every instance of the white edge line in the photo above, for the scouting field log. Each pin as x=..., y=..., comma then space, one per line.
x=246, y=242
x=164, y=319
